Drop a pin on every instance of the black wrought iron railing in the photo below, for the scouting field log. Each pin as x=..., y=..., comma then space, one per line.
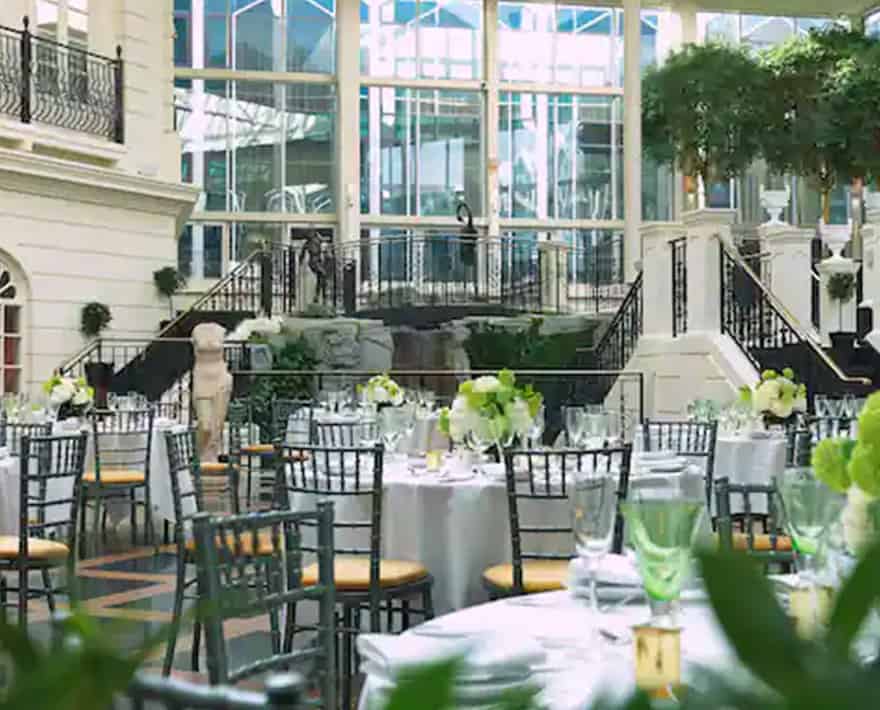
x=678, y=250
x=767, y=333
x=619, y=342
x=62, y=85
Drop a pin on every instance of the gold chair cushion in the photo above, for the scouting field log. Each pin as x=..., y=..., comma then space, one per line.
x=762, y=543
x=117, y=476
x=38, y=549
x=353, y=573
x=538, y=575
x=264, y=543
x=258, y=449
x=215, y=467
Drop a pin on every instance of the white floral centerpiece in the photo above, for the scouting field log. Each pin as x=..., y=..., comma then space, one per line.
x=853, y=467
x=382, y=391
x=260, y=327
x=70, y=397
x=492, y=406
x=777, y=397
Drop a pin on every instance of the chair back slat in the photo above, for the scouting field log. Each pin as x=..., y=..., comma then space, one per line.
x=252, y=565
x=685, y=438
x=545, y=478
x=292, y=420
x=14, y=431
x=183, y=458
x=122, y=440
x=339, y=434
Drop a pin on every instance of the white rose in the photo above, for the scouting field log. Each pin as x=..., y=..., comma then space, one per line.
x=487, y=384
x=800, y=405
x=81, y=397
x=764, y=396
x=62, y=393
x=520, y=417
x=378, y=394
x=781, y=408
x=397, y=398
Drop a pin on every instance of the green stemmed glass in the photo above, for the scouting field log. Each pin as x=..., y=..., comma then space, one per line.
x=662, y=532
x=809, y=508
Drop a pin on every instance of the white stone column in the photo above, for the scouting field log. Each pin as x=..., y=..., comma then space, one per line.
x=348, y=145
x=790, y=268
x=834, y=317
x=553, y=255
x=657, y=279
x=632, y=137
x=706, y=229
x=490, y=62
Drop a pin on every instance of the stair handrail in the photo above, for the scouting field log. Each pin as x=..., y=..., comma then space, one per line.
x=629, y=301
x=787, y=317
x=95, y=344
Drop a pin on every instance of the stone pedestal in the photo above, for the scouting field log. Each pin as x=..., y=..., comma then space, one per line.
x=706, y=229
x=790, y=268
x=553, y=258
x=834, y=317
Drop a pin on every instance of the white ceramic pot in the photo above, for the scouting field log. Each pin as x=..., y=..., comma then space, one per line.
x=775, y=201
x=835, y=237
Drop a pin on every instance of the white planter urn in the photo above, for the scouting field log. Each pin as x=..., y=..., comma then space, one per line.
x=835, y=237
x=775, y=201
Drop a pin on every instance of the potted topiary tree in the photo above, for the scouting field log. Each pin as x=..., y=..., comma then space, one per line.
x=703, y=109
x=94, y=318
x=841, y=287
x=168, y=281
x=821, y=109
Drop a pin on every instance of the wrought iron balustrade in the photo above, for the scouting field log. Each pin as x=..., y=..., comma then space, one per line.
x=679, y=286
x=62, y=85
x=619, y=342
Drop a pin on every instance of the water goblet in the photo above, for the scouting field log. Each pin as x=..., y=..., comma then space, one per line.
x=391, y=428
x=593, y=500
x=574, y=425
x=536, y=428
x=595, y=431
x=477, y=441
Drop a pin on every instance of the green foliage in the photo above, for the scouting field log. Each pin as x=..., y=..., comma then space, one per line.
x=839, y=461
x=841, y=287
x=94, y=318
x=704, y=109
x=168, y=281
x=820, y=110
x=492, y=347
x=83, y=672
x=295, y=354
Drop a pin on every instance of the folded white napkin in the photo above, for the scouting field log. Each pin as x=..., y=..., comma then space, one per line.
x=486, y=656
x=614, y=570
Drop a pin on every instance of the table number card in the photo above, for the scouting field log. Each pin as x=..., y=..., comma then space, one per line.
x=658, y=657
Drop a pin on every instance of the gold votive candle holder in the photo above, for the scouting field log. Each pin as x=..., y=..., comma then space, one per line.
x=434, y=460
x=810, y=609
x=658, y=658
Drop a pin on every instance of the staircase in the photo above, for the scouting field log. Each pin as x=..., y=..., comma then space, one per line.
x=263, y=283
x=772, y=339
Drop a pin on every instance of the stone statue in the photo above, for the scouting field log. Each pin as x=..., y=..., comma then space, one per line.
x=321, y=264
x=212, y=388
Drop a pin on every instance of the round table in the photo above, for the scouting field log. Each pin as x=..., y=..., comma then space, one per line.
x=573, y=676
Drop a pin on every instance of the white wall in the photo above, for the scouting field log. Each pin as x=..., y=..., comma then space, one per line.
x=84, y=234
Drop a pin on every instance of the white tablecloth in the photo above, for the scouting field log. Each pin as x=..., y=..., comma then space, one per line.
x=571, y=678
x=161, y=495
x=455, y=528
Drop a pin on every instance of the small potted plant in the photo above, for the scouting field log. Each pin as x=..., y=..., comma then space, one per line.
x=168, y=281
x=778, y=398
x=841, y=288
x=95, y=318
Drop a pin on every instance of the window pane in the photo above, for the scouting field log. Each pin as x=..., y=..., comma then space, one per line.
x=184, y=252
x=11, y=319
x=10, y=350
x=182, y=42
x=560, y=157
x=423, y=151
x=311, y=30
x=212, y=251
x=422, y=38
x=11, y=381
x=260, y=146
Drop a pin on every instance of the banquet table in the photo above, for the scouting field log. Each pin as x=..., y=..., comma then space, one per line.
x=574, y=675
x=456, y=526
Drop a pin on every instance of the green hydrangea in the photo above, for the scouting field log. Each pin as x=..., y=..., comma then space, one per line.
x=770, y=375
x=864, y=467
x=830, y=462
x=869, y=422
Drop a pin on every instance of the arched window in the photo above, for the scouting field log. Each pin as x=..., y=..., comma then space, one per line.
x=10, y=333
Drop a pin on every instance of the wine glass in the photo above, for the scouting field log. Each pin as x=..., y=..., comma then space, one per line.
x=536, y=428
x=574, y=425
x=391, y=427
x=595, y=430
x=593, y=500
x=478, y=440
